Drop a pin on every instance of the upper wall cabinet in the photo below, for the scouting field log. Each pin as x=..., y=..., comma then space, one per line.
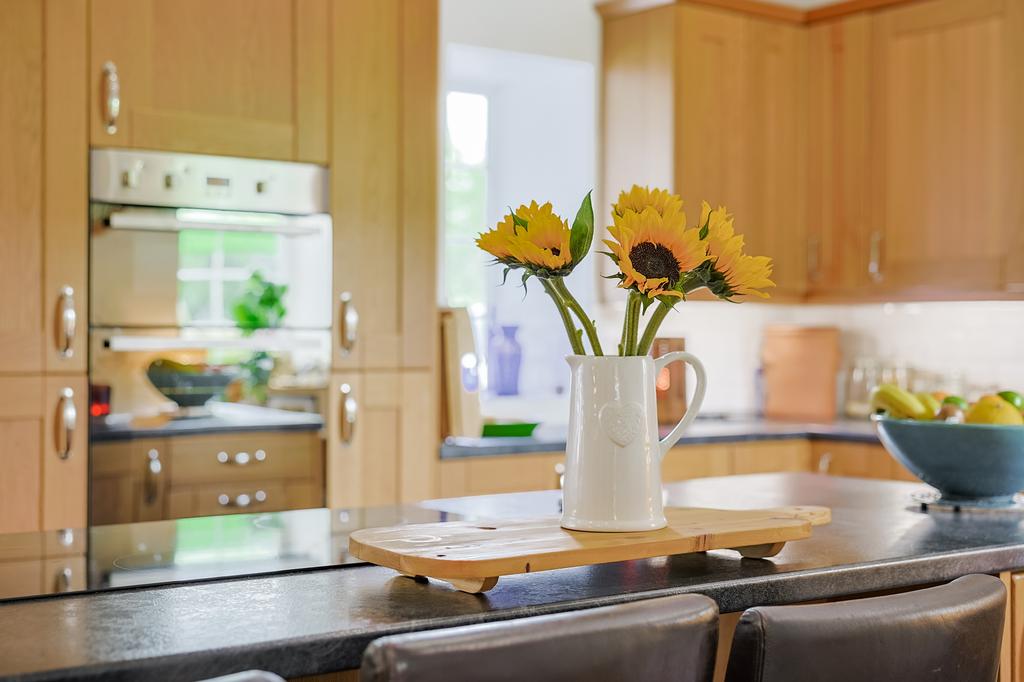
x=43, y=187
x=946, y=102
x=232, y=77
x=721, y=120
x=843, y=245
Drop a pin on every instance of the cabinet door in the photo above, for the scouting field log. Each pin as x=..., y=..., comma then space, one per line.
x=772, y=214
x=839, y=231
x=65, y=452
x=771, y=456
x=232, y=77
x=384, y=154
x=943, y=140
x=21, y=444
x=382, y=438
x=740, y=111
x=21, y=191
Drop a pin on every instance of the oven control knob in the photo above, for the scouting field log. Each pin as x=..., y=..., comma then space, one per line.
x=130, y=177
x=169, y=180
x=261, y=187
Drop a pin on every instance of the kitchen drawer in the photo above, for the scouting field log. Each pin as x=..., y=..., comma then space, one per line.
x=259, y=456
x=242, y=498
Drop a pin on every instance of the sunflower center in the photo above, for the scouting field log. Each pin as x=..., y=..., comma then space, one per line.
x=655, y=261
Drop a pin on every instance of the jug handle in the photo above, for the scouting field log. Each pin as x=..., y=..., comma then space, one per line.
x=693, y=408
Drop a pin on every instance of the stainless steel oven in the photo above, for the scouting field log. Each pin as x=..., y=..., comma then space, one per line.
x=209, y=318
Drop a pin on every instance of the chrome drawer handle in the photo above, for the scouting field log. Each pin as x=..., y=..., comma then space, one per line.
x=112, y=99
x=151, y=488
x=349, y=413
x=348, y=323
x=68, y=322
x=67, y=417
x=63, y=580
x=241, y=458
x=242, y=500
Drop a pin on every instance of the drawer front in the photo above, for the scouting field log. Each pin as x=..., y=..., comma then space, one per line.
x=232, y=458
x=243, y=498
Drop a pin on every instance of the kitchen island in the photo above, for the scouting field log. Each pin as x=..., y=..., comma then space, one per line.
x=318, y=620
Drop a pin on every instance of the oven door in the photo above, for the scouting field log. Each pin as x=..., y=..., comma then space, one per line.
x=185, y=267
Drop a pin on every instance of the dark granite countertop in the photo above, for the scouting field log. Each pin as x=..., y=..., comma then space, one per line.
x=701, y=431
x=316, y=621
x=223, y=418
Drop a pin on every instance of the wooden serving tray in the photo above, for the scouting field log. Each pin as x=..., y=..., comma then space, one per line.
x=473, y=555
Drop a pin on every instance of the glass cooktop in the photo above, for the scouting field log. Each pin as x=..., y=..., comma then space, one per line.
x=184, y=550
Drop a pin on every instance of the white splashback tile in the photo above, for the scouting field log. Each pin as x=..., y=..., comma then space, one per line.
x=982, y=341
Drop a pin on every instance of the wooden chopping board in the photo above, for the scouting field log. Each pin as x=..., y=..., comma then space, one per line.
x=471, y=555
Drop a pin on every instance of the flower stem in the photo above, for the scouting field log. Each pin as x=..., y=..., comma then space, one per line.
x=574, y=338
x=632, y=323
x=575, y=307
x=657, y=317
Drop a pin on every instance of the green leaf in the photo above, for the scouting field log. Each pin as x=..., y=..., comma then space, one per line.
x=582, y=233
x=705, y=228
x=517, y=221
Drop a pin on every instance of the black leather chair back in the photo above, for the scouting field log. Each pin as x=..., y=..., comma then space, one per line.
x=948, y=633
x=656, y=640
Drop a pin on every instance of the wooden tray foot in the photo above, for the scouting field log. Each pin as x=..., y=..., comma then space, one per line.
x=473, y=585
x=417, y=578
x=764, y=551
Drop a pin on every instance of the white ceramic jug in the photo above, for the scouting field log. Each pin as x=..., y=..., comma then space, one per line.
x=613, y=454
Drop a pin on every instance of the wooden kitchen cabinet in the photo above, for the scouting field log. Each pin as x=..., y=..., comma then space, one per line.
x=501, y=474
x=695, y=461
x=946, y=142
x=843, y=246
x=232, y=77
x=383, y=156
x=861, y=460
x=43, y=187
x=381, y=438
x=730, y=133
x=129, y=481
x=43, y=453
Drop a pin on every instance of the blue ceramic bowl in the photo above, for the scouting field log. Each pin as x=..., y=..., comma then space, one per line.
x=979, y=463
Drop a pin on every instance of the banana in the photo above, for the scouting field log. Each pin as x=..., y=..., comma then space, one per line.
x=931, y=405
x=898, y=403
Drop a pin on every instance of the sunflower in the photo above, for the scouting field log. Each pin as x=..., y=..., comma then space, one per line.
x=653, y=251
x=638, y=198
x=533, y=237
x=733, y=272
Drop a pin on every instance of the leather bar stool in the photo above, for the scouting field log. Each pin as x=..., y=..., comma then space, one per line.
x=949, y=633
x=665, y=639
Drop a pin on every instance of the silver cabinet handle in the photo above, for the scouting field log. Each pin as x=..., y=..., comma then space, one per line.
x=560, y=475
x=63, y=580
x=112, y=97
x=68, y=322
x=348, y=323
x=67, y=418
x=241, y=500
x=825, y=463
x=151, y=482
x=241, y=458
x=875, y=257
x=349, y=413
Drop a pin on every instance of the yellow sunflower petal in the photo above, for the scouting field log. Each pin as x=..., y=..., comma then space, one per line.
x=638, y=198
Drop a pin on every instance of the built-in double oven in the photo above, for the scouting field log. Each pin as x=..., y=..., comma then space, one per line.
x=209, y=322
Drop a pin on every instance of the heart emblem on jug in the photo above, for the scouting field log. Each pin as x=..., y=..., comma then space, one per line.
x=622, y=422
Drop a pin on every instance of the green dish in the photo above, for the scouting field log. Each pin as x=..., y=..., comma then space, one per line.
x=514, y=430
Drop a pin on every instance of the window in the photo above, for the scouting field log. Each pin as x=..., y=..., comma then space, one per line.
x=465, y=198
x=213, y=268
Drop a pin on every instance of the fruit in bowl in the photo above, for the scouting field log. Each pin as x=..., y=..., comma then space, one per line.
x=973, y=453
x=1004, y=408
